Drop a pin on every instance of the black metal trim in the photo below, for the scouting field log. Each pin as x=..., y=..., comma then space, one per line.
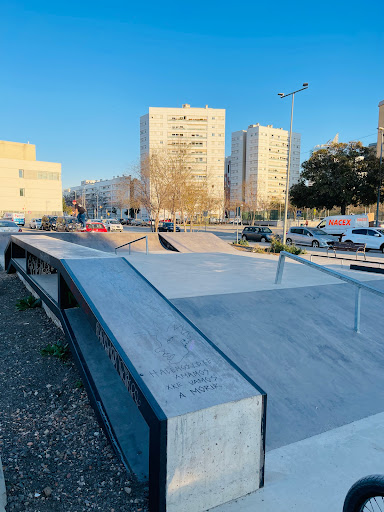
x=151, y=413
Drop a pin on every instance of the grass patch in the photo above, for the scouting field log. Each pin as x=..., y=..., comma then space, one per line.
x=59, y=350
x=29, y=302
x=79, y=384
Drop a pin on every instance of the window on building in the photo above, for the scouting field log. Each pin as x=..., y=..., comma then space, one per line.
x=21, y=173
x=22, y=192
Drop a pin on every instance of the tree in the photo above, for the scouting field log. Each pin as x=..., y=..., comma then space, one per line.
x=154, y=183
x=67, y=209
x=251, y=198
x=179, y=175
x=123, y=193
x=342, y=175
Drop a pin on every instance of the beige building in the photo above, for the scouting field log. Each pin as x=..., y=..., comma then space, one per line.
x=201, y=130
x=27, y=185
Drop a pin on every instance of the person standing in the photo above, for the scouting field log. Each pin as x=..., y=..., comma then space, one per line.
x=80, y=211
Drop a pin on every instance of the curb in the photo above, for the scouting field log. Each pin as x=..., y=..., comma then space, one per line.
x=3, y=495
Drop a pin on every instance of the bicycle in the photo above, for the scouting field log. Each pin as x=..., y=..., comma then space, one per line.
x=366, y=495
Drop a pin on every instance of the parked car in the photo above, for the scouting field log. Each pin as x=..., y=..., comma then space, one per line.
x=257, y=234
x=48, y=222
x=167, y=227
x=372, y=238
x=35, y=223
x=67, y=224
x=7, y=226
x=113, y=225
x=235, y=220
x=93, y=225
x=309, y=236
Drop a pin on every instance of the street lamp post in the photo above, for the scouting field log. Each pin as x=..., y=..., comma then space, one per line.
x=381, y=129
x=282, y=95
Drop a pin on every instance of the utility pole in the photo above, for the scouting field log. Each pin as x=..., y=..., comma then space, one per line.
x=381, y=130
x=282, y=95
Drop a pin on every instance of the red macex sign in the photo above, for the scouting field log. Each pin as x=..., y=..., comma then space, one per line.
x=341, y=222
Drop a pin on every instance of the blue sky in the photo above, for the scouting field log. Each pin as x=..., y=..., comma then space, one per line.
x=76, y=76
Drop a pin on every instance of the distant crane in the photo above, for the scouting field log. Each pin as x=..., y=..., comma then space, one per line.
x=329, y=143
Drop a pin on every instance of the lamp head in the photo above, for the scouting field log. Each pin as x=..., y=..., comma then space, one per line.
x=281, y=94
x=381, y=128
x=305, y=84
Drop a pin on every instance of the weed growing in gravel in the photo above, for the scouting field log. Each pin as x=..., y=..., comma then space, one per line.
x=59, y=350
x=29, y=302
x=79, y=384
x=241, y=241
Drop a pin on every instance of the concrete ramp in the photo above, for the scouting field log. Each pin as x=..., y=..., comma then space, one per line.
x=197, y=242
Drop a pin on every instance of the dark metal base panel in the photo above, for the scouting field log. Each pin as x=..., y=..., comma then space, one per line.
x=129, y=428
x=364, y=268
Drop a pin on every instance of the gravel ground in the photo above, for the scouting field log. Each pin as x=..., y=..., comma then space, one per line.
x=55, y=455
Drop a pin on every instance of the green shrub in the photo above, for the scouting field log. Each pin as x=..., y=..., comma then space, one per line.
x=29, y=302
x=59, y=350
x=277, y=246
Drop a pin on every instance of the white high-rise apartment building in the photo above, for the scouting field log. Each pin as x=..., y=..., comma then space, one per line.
x=267, y=161
x=261, y=164
x=238, y=161
x=202, y=133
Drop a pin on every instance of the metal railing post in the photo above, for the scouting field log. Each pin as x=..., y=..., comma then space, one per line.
x=357, y=309
x=280, y=269
x=146, y=245
x=358, y=284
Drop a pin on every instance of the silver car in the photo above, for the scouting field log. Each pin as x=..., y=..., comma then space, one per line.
x=309, y=236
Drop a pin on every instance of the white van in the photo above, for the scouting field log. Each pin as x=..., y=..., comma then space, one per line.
x=337, y=224
x=18, y=218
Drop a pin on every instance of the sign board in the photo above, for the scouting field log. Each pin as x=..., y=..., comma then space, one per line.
x=299, y=213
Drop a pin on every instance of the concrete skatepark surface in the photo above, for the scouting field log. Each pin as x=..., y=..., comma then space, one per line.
x=325, y=420
x=295, y=339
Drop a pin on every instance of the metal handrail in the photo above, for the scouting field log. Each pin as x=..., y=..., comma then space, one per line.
x=132, y=242
x=359, y=285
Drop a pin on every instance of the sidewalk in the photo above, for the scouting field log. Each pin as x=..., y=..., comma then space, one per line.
x=315, y=474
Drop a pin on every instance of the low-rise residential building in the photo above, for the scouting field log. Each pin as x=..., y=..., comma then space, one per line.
x=104, y=198
x=28, y=185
